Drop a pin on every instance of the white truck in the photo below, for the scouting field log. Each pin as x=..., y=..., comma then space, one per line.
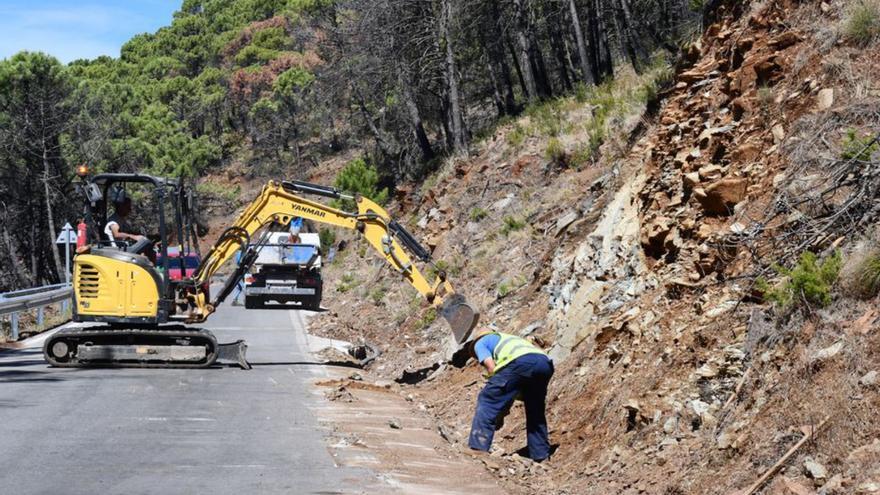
x=287, y=270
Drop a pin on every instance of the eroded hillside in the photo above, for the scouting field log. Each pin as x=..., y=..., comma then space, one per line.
x=641, y=264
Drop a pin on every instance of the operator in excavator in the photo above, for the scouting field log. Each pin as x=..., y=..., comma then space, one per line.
x=517, y=369
x=119, y=232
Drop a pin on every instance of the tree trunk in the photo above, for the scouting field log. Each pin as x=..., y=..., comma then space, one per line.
x=49, y=217
x=519, y=74
x=583, y=57
x=456, y=120
x=557, y=44
x=415, y=117
x=524, y=49
x=380, y=141
x=636, y=51
x=22, y=277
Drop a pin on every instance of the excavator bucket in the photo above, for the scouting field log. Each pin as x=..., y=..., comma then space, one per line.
x=462, y=318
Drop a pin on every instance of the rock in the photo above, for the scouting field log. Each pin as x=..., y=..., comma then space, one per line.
x=828, y=352
x=699, y=407
x=784, y=40
x=691, y=180
x=670, y=425
x=720, y=197
x=710, y=172
x=564, y=221
x=502, y=203
x=815, y=470
x=870, y=379
x=825, y=7
x=825, y=98
x=868, y=487
x=778, y=133
x=738, y=228
x=707, y=371
x=833, y=486
x=725, y=441
x=394, y=424
x=792, y=487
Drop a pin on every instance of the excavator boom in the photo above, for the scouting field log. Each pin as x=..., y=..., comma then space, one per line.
x=281, y=202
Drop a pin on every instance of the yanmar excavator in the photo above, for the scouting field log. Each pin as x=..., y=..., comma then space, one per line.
x=140, y=312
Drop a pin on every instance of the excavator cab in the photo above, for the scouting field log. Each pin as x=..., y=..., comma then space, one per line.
x=122, y=282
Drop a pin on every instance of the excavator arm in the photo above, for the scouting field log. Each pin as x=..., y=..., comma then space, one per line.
x=280, y=202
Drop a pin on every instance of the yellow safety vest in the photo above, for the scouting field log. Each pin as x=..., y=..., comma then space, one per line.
x=511, y=347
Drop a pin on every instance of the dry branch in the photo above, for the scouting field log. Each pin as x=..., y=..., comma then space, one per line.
x=773, y=469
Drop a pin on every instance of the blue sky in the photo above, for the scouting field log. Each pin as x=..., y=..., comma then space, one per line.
x=72, y=29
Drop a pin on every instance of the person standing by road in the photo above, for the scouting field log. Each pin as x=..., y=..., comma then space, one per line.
x=517, y=368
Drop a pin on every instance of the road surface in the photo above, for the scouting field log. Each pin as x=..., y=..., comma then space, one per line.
x=136, y=431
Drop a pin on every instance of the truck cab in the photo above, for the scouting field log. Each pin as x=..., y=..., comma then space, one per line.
x=287, y=272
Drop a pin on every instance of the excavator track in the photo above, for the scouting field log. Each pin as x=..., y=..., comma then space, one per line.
x=164, y=347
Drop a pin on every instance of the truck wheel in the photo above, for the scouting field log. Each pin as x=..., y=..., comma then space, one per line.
x=252, y=303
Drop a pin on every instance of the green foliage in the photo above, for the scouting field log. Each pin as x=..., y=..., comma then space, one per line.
x=377, y=295
x=428, y=317
x=862, y=22
x=696, y=5
x=867, y=275
x=764, y=97
x=328, y=239
x=547, y=117
x=347, y=283
x=477, y=214
x=516, y=136
x=808, y=283
x=360, y=178
x=555, y=152
x=858, y=147
x=512, y=224
x=289, y=82
x=219, y=191
x=507, y=286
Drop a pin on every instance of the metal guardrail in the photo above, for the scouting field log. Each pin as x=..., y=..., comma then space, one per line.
x=12, y=303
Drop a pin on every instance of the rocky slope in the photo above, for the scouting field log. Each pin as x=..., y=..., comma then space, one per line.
x=637, y=272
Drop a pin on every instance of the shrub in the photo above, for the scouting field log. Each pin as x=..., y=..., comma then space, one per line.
x=347, y=283
x=860, y=148
x=765, y=98
x=378, y=294
x=328, y=239
x=511, y=225
x=428, y=318
x=516, y=136
x=861, y=273
x=360, y=178
x=214, y=190
x=546, y=117
x=555, y=152
x=478, y=214
x=862, y=22
x=809, y=282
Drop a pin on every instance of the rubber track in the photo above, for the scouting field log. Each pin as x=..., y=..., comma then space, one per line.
x=108, y=335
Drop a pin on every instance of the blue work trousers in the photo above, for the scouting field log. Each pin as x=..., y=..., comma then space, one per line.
x=527, y=375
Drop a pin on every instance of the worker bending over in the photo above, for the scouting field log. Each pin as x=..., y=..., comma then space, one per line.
x=517, y=368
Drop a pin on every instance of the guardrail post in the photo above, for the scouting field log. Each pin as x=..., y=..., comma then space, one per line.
x=64, y=308
x=13, y=318
x=40, y=318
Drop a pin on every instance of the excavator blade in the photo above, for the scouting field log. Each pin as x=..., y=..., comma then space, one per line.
x=462, y=318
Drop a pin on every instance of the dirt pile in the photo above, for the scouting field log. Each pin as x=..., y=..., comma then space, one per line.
x=637, y=271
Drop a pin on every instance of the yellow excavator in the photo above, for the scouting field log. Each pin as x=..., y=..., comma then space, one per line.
x=138, y=308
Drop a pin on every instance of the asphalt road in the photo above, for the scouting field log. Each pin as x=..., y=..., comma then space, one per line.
x=141, y=431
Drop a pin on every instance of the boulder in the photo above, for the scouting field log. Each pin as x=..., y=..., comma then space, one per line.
x=691, y=180
x=710, y=172
x=815, y=470
x=825, y=98
x=720, y=197
x=870, y=379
